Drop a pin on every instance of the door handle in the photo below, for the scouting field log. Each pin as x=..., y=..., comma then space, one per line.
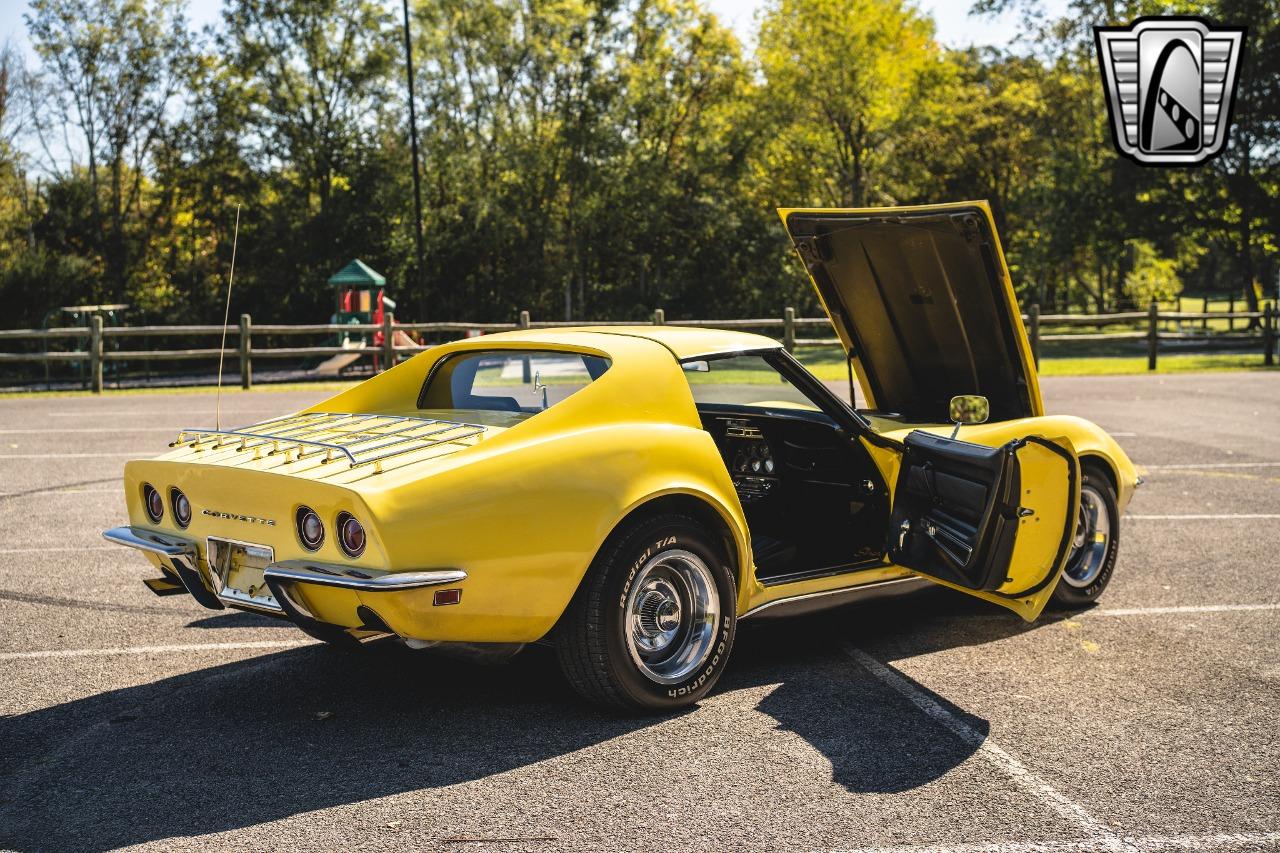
x=903, y=530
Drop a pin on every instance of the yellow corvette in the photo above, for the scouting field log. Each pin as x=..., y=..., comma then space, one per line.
x=630, y=493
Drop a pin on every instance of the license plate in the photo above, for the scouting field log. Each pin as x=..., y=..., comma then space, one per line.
x=237, y=571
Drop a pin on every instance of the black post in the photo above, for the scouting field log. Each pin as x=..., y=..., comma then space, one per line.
x=413, y=147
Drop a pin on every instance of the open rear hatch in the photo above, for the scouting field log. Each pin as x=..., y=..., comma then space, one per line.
x=921, y=299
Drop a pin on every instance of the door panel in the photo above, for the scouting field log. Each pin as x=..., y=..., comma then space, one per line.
x=955, y=510
x=991, y=521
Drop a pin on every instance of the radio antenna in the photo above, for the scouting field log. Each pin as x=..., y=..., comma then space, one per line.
x=226, y=316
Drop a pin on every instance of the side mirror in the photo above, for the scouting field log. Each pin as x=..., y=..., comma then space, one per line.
x=539, y=386
x=967, y=410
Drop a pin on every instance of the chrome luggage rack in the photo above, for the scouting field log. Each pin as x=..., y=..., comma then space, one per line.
x=361, y=439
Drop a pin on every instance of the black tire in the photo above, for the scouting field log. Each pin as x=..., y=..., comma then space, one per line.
x=593, y=644
x=1085, y=591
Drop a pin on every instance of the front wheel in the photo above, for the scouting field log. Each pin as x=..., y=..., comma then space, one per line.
x=653, y=623
x=1095, y=544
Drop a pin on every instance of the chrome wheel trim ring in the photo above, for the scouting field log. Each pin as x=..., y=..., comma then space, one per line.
x=670, y=616
x=1091, y=540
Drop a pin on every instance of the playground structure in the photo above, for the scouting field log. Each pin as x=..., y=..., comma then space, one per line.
x=360, y=299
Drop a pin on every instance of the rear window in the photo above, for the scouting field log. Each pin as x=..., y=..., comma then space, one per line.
x=520, y=383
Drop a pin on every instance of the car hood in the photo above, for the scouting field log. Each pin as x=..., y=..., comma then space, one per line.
x=921, y=300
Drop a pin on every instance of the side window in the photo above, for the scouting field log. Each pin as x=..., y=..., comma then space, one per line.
x=518, y=382
x=742, y=380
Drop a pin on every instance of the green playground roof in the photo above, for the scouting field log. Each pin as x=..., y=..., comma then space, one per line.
x=357, y=273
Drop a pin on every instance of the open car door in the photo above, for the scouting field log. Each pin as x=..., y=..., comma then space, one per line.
x=995, y=522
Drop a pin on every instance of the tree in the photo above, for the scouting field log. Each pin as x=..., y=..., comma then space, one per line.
x=111, y=71
x=1152, y=277
x=307, y=82
x=592, y=159
x=844, y=80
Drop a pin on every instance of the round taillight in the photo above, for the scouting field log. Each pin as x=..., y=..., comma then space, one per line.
x=153, y=503
x=350, y=535
x=181, y=507
x=310, y=528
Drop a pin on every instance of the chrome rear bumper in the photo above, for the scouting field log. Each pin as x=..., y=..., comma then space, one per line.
x=146, y=540
x=364, y=580
x=206, y=586
x=180, y=554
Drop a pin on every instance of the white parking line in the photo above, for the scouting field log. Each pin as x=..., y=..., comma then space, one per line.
x=1109, y=844
x=95, y=412
x=157, y=413
x=1103, y=838
x=152, y=650
x=984, y=746
x=58, y=549
x=44, y=493
x=81, y=430
x=1226, y=516
x=1191, y=465
x=70, y=455
x=1167, y=611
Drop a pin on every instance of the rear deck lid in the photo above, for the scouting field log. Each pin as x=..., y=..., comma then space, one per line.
x=921, y=299
x=336, y=447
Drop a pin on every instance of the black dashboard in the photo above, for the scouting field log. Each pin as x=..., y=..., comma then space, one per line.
x=812, y=496
x=749, y=458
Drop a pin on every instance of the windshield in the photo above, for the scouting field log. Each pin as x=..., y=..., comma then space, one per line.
x=743, y=380
x=518, y=383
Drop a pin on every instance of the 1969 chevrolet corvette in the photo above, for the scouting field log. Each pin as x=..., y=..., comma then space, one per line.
x=629, y=494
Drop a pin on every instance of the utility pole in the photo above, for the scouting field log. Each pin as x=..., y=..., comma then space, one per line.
x=413, y=146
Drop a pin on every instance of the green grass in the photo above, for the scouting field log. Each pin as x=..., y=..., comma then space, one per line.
x=1117, y=365
x=827, y=363
x=1185, y=304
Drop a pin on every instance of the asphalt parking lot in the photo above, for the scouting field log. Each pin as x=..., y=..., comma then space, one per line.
x=930, y=722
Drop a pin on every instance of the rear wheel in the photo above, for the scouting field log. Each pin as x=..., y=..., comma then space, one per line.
x=1095, y=543
x=652, y=625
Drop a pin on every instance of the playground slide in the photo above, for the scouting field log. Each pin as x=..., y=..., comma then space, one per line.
x=332, y=367
x=335, y=365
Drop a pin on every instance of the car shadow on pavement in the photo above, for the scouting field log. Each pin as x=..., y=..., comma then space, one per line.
x=231, y=746
x=876, y=739
x=240, y=619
